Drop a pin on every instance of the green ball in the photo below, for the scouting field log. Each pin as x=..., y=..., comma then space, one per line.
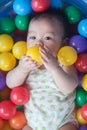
x=19, y=107
x=22, y=22
x=73, y=14
x=7, y=25
x=80, y=99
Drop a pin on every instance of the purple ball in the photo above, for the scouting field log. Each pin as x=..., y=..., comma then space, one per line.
x=2, y=81
x=79, y=43
x=80, y=76
x=83, y=127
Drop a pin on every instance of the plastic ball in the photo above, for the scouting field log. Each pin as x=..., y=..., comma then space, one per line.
x=84, y=82
x=1, y=123
x=2, y=81
x=20, y=95
x=83, y=127
x=79, y=43
x=79, y=117
x=22, y=22
x=80, y=75
x=6, y=42
x=67, y=55
x=56, y=4
x=7, y=109
x=18, y=121
x=34, y=53
x=7, y=25
x=19, y=49
x=81, y=63
x=5, y=93
x=7, y=61
x=6, y=126
x=80, y=99
x=22, y=7
x=73, y=14
x=82, y=28
x=40, y=5
x=84, y=111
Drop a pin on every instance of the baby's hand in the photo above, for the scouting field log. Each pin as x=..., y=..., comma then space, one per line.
x=26, y=64
x=49, y=61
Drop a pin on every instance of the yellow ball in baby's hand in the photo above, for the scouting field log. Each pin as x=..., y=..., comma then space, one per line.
x=34, y=53
x=67, y=56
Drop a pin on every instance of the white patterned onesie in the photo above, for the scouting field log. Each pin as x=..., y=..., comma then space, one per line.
x=48, y=108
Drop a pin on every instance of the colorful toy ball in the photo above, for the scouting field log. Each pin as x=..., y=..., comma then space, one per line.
x=83, y=127
x=20, y=95
x=22, y=7
x=18, y=121
x=1, y=123
x=34, y=53
x=81, y=63
x=7, y=25
x=67, y=55
x=79, y=117
x=56, y=4
x=2, y=81
x=80, y=99
x=82, y=28
x=19, y=49
x=7, y=109
x=84, y=82
x=84, y=111
x=73, y=14
x=22, y=22
x=6, y=42
x=40, y=5
x=79, y=43
x=7, y=61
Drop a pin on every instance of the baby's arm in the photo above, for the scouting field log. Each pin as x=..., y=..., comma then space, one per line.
x=18, y=75
x=65, y=77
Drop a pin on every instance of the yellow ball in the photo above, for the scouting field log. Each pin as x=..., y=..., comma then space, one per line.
x=80, y=119
x=19, y=49
x=84, y=82
x=67, y=56
x=6, y=42
x=34, y=53
x=7, y=61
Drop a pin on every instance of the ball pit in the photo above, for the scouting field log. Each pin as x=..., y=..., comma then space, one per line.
x=14, y=20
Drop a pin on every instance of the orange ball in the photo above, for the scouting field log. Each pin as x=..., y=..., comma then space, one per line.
x=6, y=126
x=5, y=93
x=80, y=118
x=18, y=121
x=1, y=123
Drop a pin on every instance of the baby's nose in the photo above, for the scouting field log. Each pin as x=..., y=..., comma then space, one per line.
x=40, y=42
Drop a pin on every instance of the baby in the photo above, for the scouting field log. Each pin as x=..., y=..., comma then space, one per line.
x=52, y=85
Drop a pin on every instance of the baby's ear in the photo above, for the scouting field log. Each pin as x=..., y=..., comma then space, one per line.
x=65, y=41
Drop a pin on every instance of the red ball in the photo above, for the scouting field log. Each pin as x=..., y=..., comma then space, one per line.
x=81, y=63
x=7, y=109
x=84, y=111
x=20, y=95
x=40, y=5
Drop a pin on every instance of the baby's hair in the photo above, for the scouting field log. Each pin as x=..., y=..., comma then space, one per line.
x=57, y=14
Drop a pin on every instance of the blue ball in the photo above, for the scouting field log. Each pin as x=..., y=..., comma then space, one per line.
x=56, y=4
x=82, y=28
x=22, y=7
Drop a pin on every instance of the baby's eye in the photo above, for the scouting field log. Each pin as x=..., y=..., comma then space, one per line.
x=32, y=37
x=47, y=38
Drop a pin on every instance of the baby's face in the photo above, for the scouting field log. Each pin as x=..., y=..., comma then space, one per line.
x=47, y=32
